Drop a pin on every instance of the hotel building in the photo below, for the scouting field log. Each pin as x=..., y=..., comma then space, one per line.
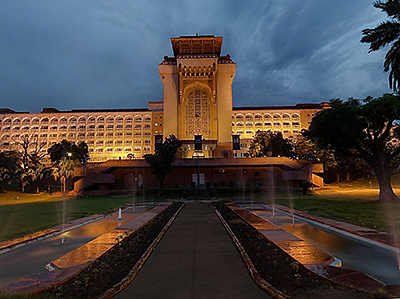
x=197, y=101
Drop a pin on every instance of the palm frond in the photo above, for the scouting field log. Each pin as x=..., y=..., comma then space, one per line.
x=392, y=63
x=378, y=37
x=391, y=7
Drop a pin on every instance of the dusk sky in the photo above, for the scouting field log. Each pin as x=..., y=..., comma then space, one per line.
x=71, y=54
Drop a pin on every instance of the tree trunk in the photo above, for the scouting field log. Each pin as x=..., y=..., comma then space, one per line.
x=381, y=167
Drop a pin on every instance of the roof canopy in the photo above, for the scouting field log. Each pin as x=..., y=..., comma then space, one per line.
x=199, y=44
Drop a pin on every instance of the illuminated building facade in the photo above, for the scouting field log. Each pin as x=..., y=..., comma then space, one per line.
x=197, y=101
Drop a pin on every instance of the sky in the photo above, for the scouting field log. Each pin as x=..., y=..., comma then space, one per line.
x=96, y=54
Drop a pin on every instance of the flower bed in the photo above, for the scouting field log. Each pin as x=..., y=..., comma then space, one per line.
x=114, y=265
x=279, y=269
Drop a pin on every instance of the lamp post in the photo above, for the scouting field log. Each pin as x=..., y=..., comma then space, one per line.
x=198, y=146
x=236, y=147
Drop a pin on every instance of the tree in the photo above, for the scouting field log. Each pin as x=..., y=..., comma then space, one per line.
x=364, y=130
x=386, y=33
x=63, y=169
x=68, y=149
x=334, y=163
x=65, y=156
x=267, y=143
x=10, y=162
x=32, y=154
x=163, y=158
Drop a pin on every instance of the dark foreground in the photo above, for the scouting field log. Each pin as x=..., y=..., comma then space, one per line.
x=195, y=259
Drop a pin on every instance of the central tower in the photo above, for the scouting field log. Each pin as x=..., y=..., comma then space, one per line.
x=198, y=94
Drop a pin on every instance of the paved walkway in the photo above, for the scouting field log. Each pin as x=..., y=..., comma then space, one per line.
x=195, y=259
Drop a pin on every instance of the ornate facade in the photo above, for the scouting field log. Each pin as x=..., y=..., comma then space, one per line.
x=197, y=101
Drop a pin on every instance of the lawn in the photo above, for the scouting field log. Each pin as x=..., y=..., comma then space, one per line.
x=353, y=202
x=30, y=213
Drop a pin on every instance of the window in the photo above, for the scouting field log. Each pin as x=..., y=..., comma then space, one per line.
x=138, y=120
x=63, y=120
x=239, y=118
x=128, y=119
x=110, y=119
x=110, y=134
x=119, y=120
x=109, y=142
x=118, y=149
x=72, y=120
x=44, y=120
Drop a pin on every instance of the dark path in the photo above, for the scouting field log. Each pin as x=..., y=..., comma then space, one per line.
x=195, y=259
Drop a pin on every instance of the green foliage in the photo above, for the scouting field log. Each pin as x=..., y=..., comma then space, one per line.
x=163, y=158
x=267, y=143
x=362, y=129
x=67, y=149
x=10, y=165
x=63, y=169
x=387, y=33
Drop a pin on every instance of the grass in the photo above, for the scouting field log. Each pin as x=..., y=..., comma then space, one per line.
x=28, y=215
x=353, y=202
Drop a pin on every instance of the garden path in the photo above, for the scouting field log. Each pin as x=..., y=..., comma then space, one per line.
x=195, y=259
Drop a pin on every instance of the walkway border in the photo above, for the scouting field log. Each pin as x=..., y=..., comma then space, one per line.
x=263, y=284
x=135, y=270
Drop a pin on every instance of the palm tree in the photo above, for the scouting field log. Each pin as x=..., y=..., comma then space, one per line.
x=387, y=33
x=64, y=169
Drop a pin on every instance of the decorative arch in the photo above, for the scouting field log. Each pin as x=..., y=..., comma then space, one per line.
x=197, y=110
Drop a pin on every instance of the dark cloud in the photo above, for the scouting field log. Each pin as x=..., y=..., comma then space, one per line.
x=104, y=54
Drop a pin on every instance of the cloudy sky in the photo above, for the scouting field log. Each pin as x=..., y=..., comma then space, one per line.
x=72, y=54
